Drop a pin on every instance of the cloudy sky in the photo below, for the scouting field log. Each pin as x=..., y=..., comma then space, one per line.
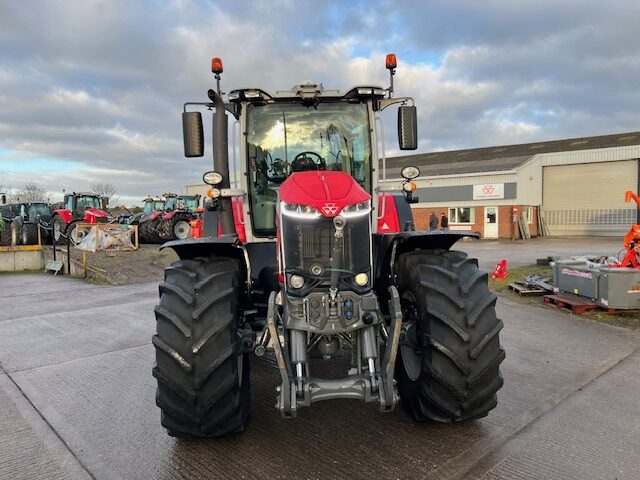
x=92, y=90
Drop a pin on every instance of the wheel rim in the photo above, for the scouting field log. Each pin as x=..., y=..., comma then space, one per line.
x=14, y=235
x=76, y=237
x=24, y=237
x=411, y=360
x=181, y=229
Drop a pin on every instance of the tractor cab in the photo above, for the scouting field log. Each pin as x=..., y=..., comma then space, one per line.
x=152, y=204
x=188, y=202
x=35, y=212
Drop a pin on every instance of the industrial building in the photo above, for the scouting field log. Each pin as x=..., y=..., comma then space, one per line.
x=577, y=186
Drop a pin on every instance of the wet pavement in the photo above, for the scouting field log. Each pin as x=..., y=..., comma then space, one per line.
x=77, y=400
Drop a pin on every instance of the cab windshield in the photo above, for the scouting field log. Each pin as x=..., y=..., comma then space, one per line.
x=38, y=209
x=189, y=203
x=170, y=204
x=85, y=201
x=287, y=138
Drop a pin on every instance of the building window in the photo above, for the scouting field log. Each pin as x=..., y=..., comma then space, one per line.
x=461, y=215
x=528, y=214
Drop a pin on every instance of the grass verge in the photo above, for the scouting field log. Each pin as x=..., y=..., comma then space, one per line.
x=519, y=274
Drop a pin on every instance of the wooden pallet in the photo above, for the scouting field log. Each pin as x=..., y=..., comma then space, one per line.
x=576, y=305
x=525, y=291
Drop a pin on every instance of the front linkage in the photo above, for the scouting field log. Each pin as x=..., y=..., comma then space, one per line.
x=370, y=378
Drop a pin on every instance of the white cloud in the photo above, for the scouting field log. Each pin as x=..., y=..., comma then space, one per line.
x=102, y=83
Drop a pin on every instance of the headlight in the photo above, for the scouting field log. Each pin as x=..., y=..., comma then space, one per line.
x=212, y=178
x=299, y=211
x=296, y=281
x=361, y=279
x=410, y=172
x=357, y=209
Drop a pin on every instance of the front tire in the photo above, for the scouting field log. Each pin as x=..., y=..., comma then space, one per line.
x=453, y=373
x=59, y=228
x=203, y=383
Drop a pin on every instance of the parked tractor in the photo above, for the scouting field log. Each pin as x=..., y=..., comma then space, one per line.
x=317, y=258
x=148, y=219
x=29, y=216
x=6, y=215
x=179, y=212
x=78, y=207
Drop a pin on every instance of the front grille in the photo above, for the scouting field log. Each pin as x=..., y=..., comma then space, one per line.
x=310, y=242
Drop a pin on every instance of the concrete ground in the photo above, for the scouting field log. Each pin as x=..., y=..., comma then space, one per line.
x=77, y=401
x=490, y=252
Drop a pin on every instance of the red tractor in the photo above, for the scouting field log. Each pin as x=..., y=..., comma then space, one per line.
x=83, y=207
x=175, y=223
x=313, y=256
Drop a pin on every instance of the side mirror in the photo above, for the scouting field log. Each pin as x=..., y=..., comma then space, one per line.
x=407, y=127
x=192, y=134
x=105, y=202
x=3, y=198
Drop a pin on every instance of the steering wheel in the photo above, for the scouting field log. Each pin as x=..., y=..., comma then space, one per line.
x=305, y=161
x=275, y=171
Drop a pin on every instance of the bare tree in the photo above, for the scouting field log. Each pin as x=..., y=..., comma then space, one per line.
x=106, y=190
x=31, y=192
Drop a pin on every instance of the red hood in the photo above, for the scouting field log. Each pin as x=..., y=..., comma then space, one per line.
x=328, y=192
x=95, y=212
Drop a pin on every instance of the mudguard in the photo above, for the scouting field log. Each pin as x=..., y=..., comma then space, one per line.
x=387, y=247
x=203, y=247
x=65, y=215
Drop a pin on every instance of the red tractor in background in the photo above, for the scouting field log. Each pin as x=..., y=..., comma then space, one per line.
x=77, y=207
x=179, y=211
x=148, y=219
x=313, y=256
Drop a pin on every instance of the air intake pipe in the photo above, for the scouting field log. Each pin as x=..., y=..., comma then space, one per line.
x=221, y=162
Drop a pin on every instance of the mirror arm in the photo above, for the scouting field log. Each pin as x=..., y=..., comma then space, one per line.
x=232, y=108
x=385, y=102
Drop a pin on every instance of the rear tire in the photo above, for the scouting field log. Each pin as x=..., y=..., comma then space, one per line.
x=203, y=383
x=171, y=229
x=148, y=231
x=29, y=234
x=455, y=373
x=15, y=234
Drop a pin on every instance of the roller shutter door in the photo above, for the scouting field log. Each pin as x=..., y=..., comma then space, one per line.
x=588, y=198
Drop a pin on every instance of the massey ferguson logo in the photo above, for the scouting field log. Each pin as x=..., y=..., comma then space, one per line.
x=330, y=209
x=488, y=189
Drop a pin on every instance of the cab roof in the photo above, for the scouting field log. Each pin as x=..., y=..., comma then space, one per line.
x=306, y=91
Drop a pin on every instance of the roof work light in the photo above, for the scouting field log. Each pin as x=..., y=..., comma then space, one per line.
x=216, y=65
